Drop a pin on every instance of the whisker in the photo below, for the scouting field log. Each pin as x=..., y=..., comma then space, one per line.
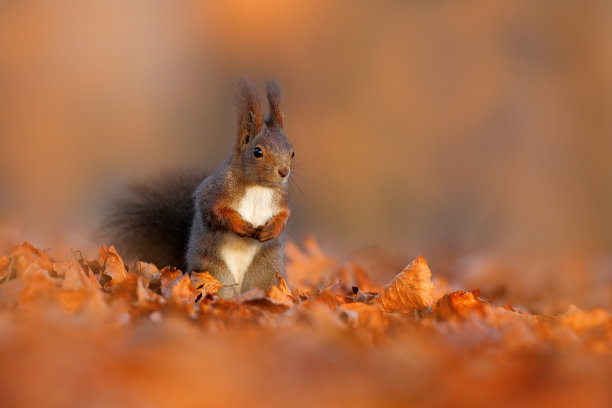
x=299, y=175
x=297, y=186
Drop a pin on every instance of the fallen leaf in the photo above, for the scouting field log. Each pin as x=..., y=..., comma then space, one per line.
x=459, y=304
x=25, y=255
x=410, y=290
x=581, y=320
x=183, y=291
x=113, y=265
x=279, y=297
x=4, y=267
x=169, y=277
x=148, y=271
x=282, y=285
x=74, y=277
x=367, y=315
x=205, y=283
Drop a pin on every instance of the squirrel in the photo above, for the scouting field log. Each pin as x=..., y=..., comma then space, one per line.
x=230, y=223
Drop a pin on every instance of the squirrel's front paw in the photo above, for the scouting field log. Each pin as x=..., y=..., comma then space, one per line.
x=268, y=231
x=244, y=229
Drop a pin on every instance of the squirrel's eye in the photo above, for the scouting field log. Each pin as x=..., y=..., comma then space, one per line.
x=292, y=153
x=258, y=152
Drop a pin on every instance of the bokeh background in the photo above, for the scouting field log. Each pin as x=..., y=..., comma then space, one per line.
x=478, y=133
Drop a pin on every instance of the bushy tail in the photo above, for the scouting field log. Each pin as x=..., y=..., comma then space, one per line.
x=152, y=221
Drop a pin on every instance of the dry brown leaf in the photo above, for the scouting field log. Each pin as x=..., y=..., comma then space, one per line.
x=34, y=270
x=279, y=297
x=126, y=289
x=144, y=294
x=10, y=291
x=93, y=280
x=459, y=304
x=74, y=277
x=4, y=267
x=113, y=265
x=44, y=318
x=581, y=320
x=410, y=290
x=205, y=283
x=148, y=271
x=39, y=288
x=323, y=297
x=282, y=285
x=366, y=315
x=25, y=255
x=169, y=277
x=183, y=291
x=72, y=301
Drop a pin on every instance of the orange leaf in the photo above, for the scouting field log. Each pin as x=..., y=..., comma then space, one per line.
x=148, y=271
x=282, y=285
x=169, y=277
x=205, y=283
x=183, y=291
x=25, y=255
x=74, y=277
x=459, y=304
x=411, y=289
x=279, y=297
x=4, y=267
x=362, y=314
x=113, y=265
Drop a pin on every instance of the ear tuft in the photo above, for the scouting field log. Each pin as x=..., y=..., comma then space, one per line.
x=275, y=118
x=249, y=112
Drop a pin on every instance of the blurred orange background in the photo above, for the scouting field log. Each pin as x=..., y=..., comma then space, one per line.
x=446, y=128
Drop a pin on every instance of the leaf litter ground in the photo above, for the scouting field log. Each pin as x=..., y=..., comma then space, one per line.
x=96, y=333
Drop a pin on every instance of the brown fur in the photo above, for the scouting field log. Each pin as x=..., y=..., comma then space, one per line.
x=275, y=118
x=151, y=222
x=220, y=194
x=184, y=220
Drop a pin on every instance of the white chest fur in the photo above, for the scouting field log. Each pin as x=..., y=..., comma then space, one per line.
x=256, y=206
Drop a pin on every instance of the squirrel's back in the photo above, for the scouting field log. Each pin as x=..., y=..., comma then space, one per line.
x=152, y=221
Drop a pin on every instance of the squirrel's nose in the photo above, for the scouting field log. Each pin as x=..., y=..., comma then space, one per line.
x=283, y=171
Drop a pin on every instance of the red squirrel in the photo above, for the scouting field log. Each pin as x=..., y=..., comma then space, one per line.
x=230, y=223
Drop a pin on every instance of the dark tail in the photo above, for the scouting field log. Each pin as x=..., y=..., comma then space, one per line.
x=152, y=221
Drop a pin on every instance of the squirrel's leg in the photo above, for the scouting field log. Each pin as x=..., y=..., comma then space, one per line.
x=267, y=263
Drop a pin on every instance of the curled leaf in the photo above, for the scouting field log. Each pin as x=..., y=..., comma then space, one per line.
x=282, y=285
x=410, y=290
x=25, y=255
x=113, y=265
x=459, y=304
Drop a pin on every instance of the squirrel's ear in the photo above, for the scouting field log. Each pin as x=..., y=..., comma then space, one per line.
x=275, y=118
x=249, y=112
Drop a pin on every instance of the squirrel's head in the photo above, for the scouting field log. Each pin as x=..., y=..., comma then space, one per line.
x=262, y=150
